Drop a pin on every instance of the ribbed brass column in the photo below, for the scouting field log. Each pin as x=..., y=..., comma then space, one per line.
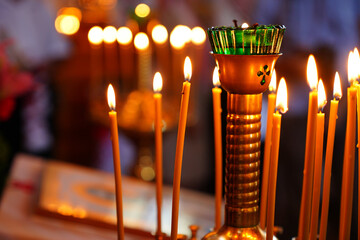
x=242, y=160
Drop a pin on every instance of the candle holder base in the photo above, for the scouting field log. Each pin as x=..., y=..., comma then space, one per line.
x=228, y=233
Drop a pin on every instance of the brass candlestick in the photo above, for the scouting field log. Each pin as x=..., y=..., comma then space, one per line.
x=246, y=58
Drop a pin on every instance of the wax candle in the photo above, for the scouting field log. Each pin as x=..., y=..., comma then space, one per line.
x=111, y=58
x=319, y=139
x=95, y=37
x=267, y=148
x=349, y=156
x=357, y=76
x=116, y=159
x=157, y=86
x=281, y=106
x=328, y=157
x=141, y=42
x=126, y=58
x=160, y=37
x=305, y=207
x=216, y=92
x=180, y=147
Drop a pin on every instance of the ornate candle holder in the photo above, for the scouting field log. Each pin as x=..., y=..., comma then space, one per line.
x=246, y=58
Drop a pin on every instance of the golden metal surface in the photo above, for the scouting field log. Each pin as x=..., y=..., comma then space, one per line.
x=227, y=233
x=245, y=74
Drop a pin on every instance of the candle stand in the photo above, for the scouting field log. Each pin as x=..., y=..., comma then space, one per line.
x=245, y=58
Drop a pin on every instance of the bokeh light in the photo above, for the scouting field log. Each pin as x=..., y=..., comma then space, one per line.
x=110, y=33
x=141, y=41
x=95, y=35
x=142, y=10
x=179, y=36
x=124, y=35
x=159, y=34
x=198, y=35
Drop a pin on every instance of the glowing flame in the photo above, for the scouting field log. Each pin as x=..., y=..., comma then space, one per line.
x=159, y=34
x=187, y=69
x=281, y=97
x=198, y=36
x=311, y=72
x=179, y=36
x=357, y=62
x=110, y=34
x=157, y=82
x=68, y=20
x=111, y=97
x=141, y=41
x=142, y=10
x=321, y=95
x=352, y=72
x=216, y=80
x=244, y=25
x=95, y=35
x=124, y=35
x=272, y=85
x=337, y=87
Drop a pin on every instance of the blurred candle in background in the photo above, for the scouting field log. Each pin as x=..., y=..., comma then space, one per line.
x=337, y=93
x=347, y=186
x=267, y=149
x=126, y=57
x=95, y=37
x=308, y=173
x=159, y=36
x=216, y=92
x=141, y=42
x=111, y=53
x=319, y=139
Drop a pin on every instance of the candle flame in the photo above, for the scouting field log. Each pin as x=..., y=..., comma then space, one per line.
x=311, y=72
x=141, y=41
x=187, y=69
x=281, y=97
x=216, y=80
x=124, y=35
x=321, y=95
x=96, y=35
x=272, y=85
x=179, y=36
x=157, y=82
x=198, y=36
x=357, y=63
x=244, y=25
x=111, y=97
x=159, y=34
x=337, y=93
x=351, y=67
x=109, y=34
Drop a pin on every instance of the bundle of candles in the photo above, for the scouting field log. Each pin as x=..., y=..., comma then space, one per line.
x=310, y=200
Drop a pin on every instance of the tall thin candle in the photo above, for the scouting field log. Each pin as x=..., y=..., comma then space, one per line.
x=328, y=157
x=216, y=91
x=281, y=105
x=267, y=149
x=157, y=86
x=319, y=139
x=305, y=207
x=116, y=159
x=180, y=147
x=347, y=186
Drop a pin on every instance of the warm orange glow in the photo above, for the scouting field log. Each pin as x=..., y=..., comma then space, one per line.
x=337, y=93
x=141, y=41
x=311, y=72
x=272, y=85
x=157, y=82
x=159, y=34
x=111, y=97
x=67, y=24
x=95, y=35
x=179, y=36
x=106, y=4
x=198, y=36
x=281, y=97
x=110, y=34
x=187, y=69
x=321, y=95
x=352, y=72
x=215, y=79
x=124, y=35
x=142, y=10
x=244, y=25
x=357, y=63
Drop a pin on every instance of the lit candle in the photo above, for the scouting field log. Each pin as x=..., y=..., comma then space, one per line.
x=319, y=139
x=328, y=156
x=157, y=86
x=180, y=147
x=160, y=37
x=305, y=207
x=216, y=91
x=281, y=106
x=111, y=59
x=347, y=186
x=267, y=148
x=116, y=159
x=141, y=42
x=357, y=76
x=95, y=37
x=126, y=57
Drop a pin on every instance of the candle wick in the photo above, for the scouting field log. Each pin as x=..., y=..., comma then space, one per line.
x=235, y=22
